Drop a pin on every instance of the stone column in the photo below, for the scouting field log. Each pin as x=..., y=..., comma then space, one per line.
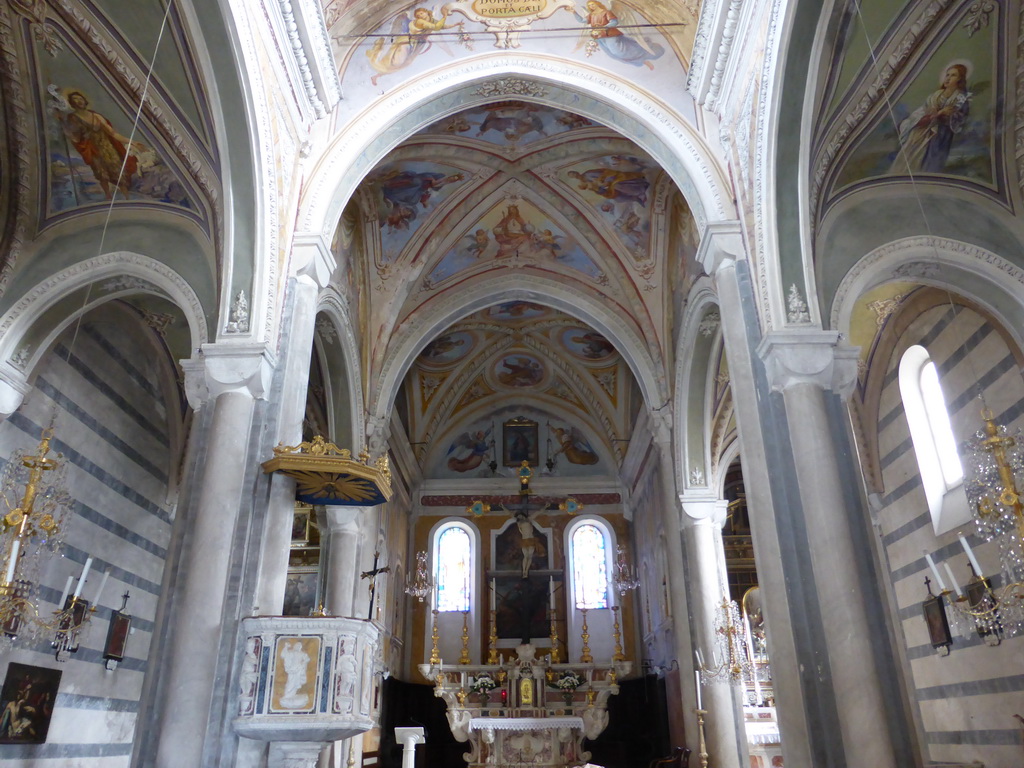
x=342, y=572
x=808, y=367
x=228, y=378
x=703, y=518
x=662, y=433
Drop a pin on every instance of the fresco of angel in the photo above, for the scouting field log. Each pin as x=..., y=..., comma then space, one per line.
x=468, y=450
x=410, y=38
x=602, y=32
x=574, y=445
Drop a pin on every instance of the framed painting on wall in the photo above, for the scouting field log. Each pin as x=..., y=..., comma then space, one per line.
x=520, y=442
x=300, y=591
x=26, y=703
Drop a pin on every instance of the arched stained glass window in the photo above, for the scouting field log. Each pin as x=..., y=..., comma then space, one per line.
x=453, y=568
x=590, y=567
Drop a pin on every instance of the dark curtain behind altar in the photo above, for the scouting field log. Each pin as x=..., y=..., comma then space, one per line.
x=405, y=704
x=638, y=729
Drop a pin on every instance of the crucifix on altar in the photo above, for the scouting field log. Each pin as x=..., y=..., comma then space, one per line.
x=525, y=574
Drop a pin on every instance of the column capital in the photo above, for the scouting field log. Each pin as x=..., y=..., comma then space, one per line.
x=811, y=356
x=227, y=367
x=312, y=257
x=378, y=433
x=721, y=244
x=341, y=518
x=703, y=509
x=660, y=424
x=13, y=388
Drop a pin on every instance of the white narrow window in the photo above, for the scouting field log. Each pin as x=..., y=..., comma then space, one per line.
x=589, y=552
x=942, y=473
x=453, y=568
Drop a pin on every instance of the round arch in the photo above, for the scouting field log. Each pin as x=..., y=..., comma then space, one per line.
x=617, y=103
x=966, y=269
x=410, y=340
x=348, y=387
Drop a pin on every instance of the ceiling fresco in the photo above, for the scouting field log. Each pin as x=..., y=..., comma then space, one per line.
x=519, y=360
x=380, y=46
x=523, y=187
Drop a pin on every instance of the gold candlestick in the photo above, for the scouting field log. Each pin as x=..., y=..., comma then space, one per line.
x=619, y=655
x=555, y=656
x=492, y=654
x=703, y=755
x=464, y=657
x=435, y=657
x=585, y=657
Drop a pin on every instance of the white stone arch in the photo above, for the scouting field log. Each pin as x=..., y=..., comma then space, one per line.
x=334, y=307
x=137, y=274
x=410, y=340
x=593, y=93
x=729, y=455
x=962, y=268
x=702, y=298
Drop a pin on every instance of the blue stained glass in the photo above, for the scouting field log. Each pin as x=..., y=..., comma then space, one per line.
x=589, y=568
x=454, y=559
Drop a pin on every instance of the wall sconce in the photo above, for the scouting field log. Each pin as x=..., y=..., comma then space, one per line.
x=117, y=634
x=422, y=584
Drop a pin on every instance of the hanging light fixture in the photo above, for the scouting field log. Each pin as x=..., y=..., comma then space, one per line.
x=993, y=470
x=37, y=502
x=421, y=586
x=730, y=662
x=625, y=577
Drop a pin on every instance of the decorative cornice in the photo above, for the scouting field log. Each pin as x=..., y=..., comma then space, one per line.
x=298, y=47
x=732, y=16
x=455, y=500
x=225, y=367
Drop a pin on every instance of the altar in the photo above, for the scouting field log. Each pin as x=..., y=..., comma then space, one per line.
x=527, y=711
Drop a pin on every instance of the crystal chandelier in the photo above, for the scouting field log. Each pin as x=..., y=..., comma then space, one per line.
x=625, y=577
x=993, y=465
x=422, y=584
x=730, y=662
x=36, y=500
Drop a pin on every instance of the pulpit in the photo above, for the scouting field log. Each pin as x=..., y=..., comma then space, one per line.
x=307, y=681
x=527, y=711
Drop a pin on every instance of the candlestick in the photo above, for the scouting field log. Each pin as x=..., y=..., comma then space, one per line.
x=64, y=594
x=81, y=579
x=492, y=655
x=703, y=744
x=554, y=640
x=435, y=657
x=935, y=572
x=103, y=583
x=952, y=579
x=464, y=657
x=970, y=556
x=12, y=563
x=617, y=636
x=585, y=657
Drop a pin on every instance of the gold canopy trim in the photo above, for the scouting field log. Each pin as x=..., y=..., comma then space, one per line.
x=327, y=474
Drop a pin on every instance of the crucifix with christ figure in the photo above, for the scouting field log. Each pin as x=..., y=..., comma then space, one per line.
x=372, y=575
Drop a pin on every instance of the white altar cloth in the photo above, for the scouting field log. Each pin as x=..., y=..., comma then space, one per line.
x=525, y=723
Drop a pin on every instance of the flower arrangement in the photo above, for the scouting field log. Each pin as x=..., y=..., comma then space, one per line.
x=483, y=684
x=569, y=681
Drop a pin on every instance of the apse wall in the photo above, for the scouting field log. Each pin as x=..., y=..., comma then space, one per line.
x=967, y=700
x=112, y=425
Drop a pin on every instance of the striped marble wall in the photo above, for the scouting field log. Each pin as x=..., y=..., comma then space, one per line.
x=966, y=700
x=112, y=425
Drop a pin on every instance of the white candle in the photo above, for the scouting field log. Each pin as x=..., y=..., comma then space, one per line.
x=494, y=593
x=700, y=658
x=81, y=579
x=13, y=562
x=971, y=557
x=952, y=579
x=935, y=572
x=696, y=676
x=551, y=591
x=64, y=594
x=103, y=583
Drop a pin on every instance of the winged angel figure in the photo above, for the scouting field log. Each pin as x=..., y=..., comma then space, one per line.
x=602, y=31
x=409, y=37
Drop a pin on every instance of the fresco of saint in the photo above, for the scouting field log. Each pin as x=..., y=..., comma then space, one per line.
x=411, y=38
x=926, y=135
